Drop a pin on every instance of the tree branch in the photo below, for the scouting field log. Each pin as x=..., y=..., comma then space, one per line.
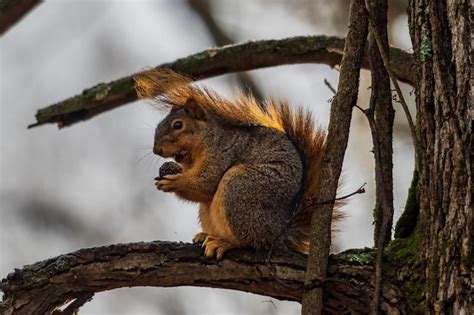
x=214, y=62
x=203, y=8
x=380, y=115
x=379, y=40
x=47, y=285
x=336, y=144
x=11, y=11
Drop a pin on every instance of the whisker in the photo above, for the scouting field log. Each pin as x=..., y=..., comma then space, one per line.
x=149, y=161
x=143, y=157
x=147, y=126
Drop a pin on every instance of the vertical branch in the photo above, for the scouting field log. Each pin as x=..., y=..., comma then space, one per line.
x=338, y=135
x=380, y=116
x=381, y=42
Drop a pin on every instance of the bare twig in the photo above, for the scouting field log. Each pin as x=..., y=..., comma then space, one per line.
x=361, y=109
x=360, y=190
x=330, y=87
x=214, y=62
x=312, y=202
x=333, y=90
x=271, y=302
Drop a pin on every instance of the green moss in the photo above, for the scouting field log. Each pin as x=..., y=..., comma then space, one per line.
x=426, y=49
x=363, y=256
x=415, y=293
x=402, y=253
x=407, y=222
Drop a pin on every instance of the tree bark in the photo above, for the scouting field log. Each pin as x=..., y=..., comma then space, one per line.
x=441, y=36
x=43, y=287
x=213, y=62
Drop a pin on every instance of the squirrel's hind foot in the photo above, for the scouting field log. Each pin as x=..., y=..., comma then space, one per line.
x=216, y=247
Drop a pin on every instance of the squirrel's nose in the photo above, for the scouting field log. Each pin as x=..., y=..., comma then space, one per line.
x=158, y=150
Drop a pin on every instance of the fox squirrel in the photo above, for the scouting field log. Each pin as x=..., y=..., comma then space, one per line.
x=253, y=169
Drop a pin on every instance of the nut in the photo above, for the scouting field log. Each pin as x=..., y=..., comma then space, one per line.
x=169, y=168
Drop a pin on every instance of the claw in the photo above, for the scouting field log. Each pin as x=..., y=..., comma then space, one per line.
x=169, y=183
x=216, y=247
x=200, y=237
x=209, y=249
x=208, y=239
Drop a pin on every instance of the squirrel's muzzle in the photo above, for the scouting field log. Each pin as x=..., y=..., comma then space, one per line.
x=158, y=150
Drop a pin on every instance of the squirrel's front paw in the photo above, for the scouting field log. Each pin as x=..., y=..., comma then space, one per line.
x=170, y=183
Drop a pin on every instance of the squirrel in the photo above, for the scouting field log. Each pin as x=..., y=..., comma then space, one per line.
x=253, y=168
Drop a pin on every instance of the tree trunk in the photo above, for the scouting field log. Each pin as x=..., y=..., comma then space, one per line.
x=441, y=32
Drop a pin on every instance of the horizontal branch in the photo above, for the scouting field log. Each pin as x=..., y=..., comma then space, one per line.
x=44, y=286
x=213, y=62
x=11, y=11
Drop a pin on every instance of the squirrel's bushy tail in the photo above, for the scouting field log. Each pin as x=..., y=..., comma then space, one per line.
x=172, y=90
x=310, y=142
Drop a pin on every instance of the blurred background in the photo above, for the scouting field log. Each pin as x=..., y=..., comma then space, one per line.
x=92, y=184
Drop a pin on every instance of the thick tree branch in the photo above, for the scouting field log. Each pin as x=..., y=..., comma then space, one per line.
x=11, y=11
x=42, y=287
x=214, y=62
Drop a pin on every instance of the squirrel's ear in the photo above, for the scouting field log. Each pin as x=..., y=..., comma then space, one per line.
x=194, y=109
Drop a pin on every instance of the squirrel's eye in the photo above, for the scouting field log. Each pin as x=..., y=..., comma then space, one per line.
x=177, y=125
